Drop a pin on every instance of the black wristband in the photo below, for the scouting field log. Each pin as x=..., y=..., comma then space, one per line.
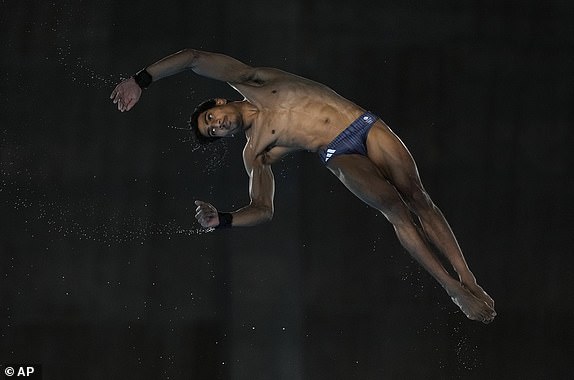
x=225, y=219
x=143, y=78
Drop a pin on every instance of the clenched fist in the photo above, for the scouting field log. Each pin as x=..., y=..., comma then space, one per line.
x=206, y=215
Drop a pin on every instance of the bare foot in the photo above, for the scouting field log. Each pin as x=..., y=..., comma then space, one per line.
x=473, y=307
x=479, y=293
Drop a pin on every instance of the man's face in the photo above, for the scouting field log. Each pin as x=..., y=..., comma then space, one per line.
x=219, y=121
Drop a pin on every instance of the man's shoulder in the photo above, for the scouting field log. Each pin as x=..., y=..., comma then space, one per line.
x=261, y=76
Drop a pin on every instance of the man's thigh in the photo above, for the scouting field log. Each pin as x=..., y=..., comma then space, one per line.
x=388, y=153
x=365, y=180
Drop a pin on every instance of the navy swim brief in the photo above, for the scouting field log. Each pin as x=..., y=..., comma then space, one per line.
x=352, y=140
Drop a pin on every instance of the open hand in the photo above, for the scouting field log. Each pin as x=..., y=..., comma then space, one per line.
x=206, y=215
x=126, y=94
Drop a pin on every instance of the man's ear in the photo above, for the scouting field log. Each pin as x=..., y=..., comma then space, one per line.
x=220, y=101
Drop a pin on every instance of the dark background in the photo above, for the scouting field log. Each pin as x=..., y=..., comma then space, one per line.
x=105, y=275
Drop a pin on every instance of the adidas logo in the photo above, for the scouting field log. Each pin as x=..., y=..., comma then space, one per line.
x=330, y=153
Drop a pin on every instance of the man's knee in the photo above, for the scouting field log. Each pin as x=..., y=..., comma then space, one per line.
x=418, y=199
x=396, y=212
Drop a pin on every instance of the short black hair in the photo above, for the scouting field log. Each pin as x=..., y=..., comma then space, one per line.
x=194, y=125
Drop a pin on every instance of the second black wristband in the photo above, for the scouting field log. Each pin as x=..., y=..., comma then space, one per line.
x=225, y=219
x=143, y=78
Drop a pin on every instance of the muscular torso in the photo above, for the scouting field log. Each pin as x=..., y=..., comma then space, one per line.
x=294, y=113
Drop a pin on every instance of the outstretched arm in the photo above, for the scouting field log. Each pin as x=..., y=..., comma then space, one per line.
x=211, y=65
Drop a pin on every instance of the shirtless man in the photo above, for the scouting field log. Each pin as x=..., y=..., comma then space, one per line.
x=281, y=113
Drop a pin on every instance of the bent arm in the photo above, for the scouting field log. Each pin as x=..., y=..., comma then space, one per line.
x=261, y=192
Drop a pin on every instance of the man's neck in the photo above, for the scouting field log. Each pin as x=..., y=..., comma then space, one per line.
x=249, y=113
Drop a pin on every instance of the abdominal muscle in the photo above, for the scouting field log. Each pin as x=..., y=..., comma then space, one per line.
x=309, y=126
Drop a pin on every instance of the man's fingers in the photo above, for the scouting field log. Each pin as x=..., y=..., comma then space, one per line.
x=115, y=91
x=130, y=104
x=202, y=206
x=123, y=103
x=127, y=104
x=118, y=99
x=204, y=220
x=205, y=213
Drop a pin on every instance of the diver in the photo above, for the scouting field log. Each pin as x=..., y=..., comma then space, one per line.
x=281, y=113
